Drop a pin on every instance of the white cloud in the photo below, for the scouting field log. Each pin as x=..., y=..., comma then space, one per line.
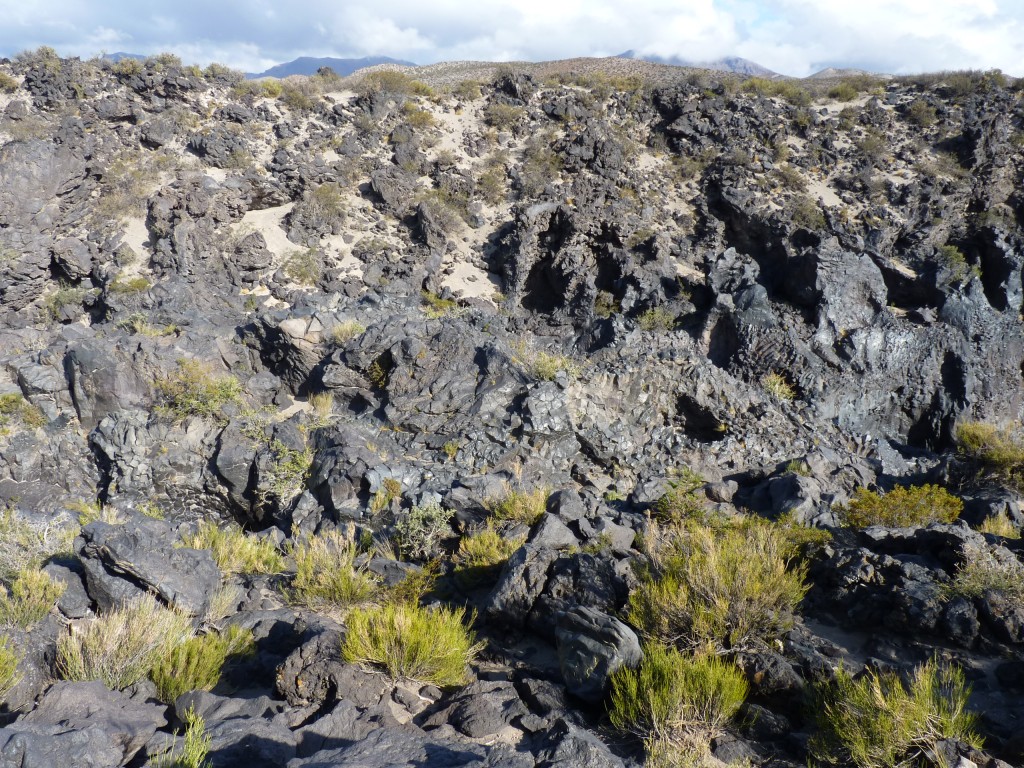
x=795, y=37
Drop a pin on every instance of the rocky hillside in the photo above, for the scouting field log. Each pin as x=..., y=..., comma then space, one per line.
x=677, y=414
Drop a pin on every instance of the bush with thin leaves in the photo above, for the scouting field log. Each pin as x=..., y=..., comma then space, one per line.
x=996, y=453
x=9, y=661
x=121, y=647
x=901, y=507
x=196, y=663
x=732, y=587
x=326, y=575
x=407, y=641
x=194, y=390
x=876, y=721
x=672, y=693
x=31, y=597
x=482, y=554
x=195, y=746
x=420, y=530
x=234, y=550
x=984, y=571
x=28, y=543
x=683, y=500
x=521, y=506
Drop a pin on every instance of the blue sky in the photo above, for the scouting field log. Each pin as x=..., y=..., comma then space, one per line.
x=794, y=37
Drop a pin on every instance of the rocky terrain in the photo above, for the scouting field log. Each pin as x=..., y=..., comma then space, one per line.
x=490, y=338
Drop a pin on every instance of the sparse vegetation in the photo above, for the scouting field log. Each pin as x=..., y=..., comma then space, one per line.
x=196, y=663
x=326, y=576
x=435, y=307
x=9, y=661
x=16, y=411
x=656, y=319
x=234, y=550
x=901, y=507
x=985, y=571
x=807, y=214
x=997, y=453
x=503, y=117
x=8, y=84
x=304, y=266
x=195, y=746
x=684, y=499
x=1000, y=525
x=875, y=721
x=194, y=390
x=389, y=490
x=27, y=544
x=31, y=597
x=410, y=642
x=346, y=331
x=521, y=506
x=482, y=554
x=419, y=530
x=777, y=386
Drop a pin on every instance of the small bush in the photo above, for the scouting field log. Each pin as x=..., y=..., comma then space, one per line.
x=901, y=507
x=482, y=554
x=521, y=506
x=435, y=307
x=300, y=95
x=503, y=117
x=877, y=722
x=393, y=82
x=346, y=331
x=287, y=474
x=25, y=545
x=921, y=114
x=31, y=597
x=9, y=661
x=684, y=499
x=999, y=525
x=390, y=489
x=121, y=647
x=415, y=117
x=129, y=285
x=671, y=693
x=304, y=267
x=195, y=746
x=326, y=575
x=656, y=319
x=234, y=551
x=731, y=587
x=996, y=452
x=777, y=386
x=65, y=296
x=419, y=531
x=807, y=214
x=194, y=390
x=196, y=663
x=15, y=410
x=842, y=92
x=987, y=571
x=406, y=641
x=8, y=84
x=955, y=261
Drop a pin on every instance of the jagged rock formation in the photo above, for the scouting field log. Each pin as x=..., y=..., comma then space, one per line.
x=580, y=285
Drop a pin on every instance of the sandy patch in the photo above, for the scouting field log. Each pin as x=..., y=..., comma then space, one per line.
x=819, y=190
x=269, y=222
x=136, y=236
x=470, y=281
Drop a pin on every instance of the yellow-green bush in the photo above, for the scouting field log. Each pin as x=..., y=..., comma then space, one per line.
x=986, y=571
x=194, y=390
x=195, y=746
x=996, y=452
x=672, y=693
x=326, y=575
x=521, y=506
x=728, y=587
x=482, y=554
x=196, y=664
x=31, y=597
x=875, y=721
x=901, y=507
x=407, y=641
x=15, y=409
x=234, y=551
x=684, y=499
x=25, y=544
x=9, y=661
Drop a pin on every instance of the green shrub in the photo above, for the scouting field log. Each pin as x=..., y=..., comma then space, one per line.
x=656, y=319
x=195, y=746
x=503, y=117
x=194, y=390
x=31, y=597
x=8, y=84
x=393, y=82
x=777, y=386
x=288, y=472
x=521, y=506
x=300, y=95
x=729, y=587
x=671, y=694
x=999, y=525
x=877, y=722
x=196, y=663
x=9, y=661
x=65, y=296
x=684, y=499
x=26, y=545
x=482, y=554
x=996, y=452
x=15, y=409
x=902, y=507
x=136, y=284
x=421, y=529
x=435, y=307
x=407, y=641
x=921, y=114
x=389, y=490
x=121, y=647
x=326, y=575
x=807, y=214
x=304, y=267
x=346, y=331
x=842, y=92
x=415, y=117
x=985, y=571
x=955, y=261
x=234, y=550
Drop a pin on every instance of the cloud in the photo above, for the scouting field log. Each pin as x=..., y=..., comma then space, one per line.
x=795, y=37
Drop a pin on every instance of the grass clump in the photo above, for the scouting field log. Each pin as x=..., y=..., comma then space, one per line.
x=389, y=490
x=482, y=554
x=996, y=452
x=288, y=473
x=985, y=571
x=8, y=84
x=419, y=531
x=732, y=587
x=326, y=575
x=902, y=507
x=304, y=267
x=435, y=307
x=194, y=390
x=9, y=661
x=521, y=506
x=346, y=331
x=683, y=500
x=121, y=647
x=31, y=597
x=234, y=551
x=672, y=694
x=656, y=319
x=25, y=545
x=15, y=411
x=876, y=721
x=999, y=525
x=407, y=641
x=195, y=746
x=196, y=664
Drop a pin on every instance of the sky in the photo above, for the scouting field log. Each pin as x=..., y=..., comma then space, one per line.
x=792, y=37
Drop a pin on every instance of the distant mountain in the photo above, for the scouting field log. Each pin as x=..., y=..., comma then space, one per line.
x=832, y=72
x=308, y=65
x=732, y=64
x=116, y=57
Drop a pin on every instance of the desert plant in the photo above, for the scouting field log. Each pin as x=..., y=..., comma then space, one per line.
x=346, y=330
x=954, y=260
x=326, y=575
x=503, y=117
x=8, y=84
x=65, y=296
x=999, y=524
x=875, y=721
x=234, y=551
x=482, y=554
x=521, y=506
x=304, y=267
x=31, y=597
x=25, y=544
x=807, y=214
x=120, y=647
x=672, y=693
x=389, y=490
x=196, y=663
x=777, y=386
x=194, y=390
x=921, y=113
x=9, y=661
x=195, y=746
x=997, y=453
x=656, y=319
x=683, y=500
x=901, y=507
x=407, y=641
x=984, y=570
x=287, y=473
x=842, y=92
x=419, y=530
x=16, y=410
x=729, y=587
x=435, y=307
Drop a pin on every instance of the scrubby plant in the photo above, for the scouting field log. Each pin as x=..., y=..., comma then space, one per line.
x=984, y=570
x=66, y=295
x=288, y=471
x=954, y=260
x=777, y=386
x=683, y=500
x=482, y=554
x=234, y=551
x=121, y=647
x=194, y=390
x=504, y=117
x=31, y=597
x=875, y=721
x=999, y=524
x=842, y=92
x=8, y=84
x=196, y=664
x=921, y=114
x=416, y=117
x=346, y=330
x=394, y=82
x=407, y=641
x=25, y=544
x=326, y=575
x=9, y=661
x=807, y=214
x=672, y=694
x=997, y=453
x=435, y=307
x=123, y=285
x=728, y=587
x=304, y=266
x=389, y=490
x=419, y=530
x=521, y=506
x=15, y=411
x=656, y=319
x=195, y=746
x=901, y=507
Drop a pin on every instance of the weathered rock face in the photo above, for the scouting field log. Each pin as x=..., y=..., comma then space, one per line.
x=329, y=313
